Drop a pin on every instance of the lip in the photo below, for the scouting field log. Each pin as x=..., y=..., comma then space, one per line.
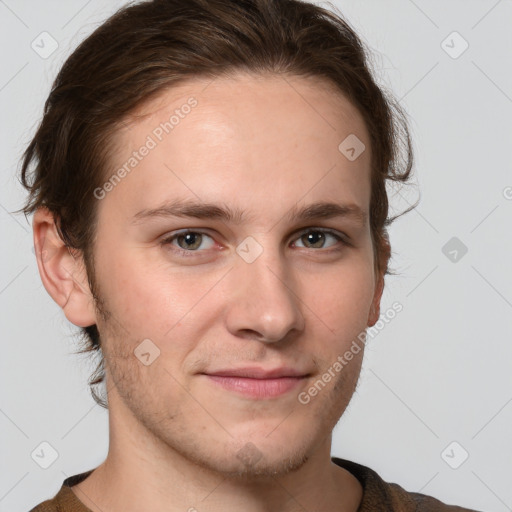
x=254, y=372
x=257, y=388
x=257, y=382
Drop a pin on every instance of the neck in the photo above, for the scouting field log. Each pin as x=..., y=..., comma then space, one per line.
x=141, y=472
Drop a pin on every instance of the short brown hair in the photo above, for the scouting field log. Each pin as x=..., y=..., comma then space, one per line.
x=149, y=46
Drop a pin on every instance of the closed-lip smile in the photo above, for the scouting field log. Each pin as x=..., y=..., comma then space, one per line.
x=257, y=382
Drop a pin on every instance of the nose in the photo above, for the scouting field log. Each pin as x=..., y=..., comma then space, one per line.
x=264, y=304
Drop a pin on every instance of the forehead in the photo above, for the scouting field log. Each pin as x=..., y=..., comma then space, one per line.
x=243, y=138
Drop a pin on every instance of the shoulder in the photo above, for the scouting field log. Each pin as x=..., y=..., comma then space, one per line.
x=416, y=502
x=65, y=500
x=381, y=495
x=45, y=506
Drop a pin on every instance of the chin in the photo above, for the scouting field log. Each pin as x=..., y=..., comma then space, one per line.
x=247, y=457
x=249, y=463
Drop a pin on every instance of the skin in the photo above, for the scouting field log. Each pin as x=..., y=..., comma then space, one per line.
x=261, y=144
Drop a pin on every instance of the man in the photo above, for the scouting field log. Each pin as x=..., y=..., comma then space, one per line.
x=210, y=208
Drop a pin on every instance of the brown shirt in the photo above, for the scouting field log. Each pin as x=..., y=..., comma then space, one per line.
x=378, y=495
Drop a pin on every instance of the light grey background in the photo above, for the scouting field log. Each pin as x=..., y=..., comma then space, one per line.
x=438, y=372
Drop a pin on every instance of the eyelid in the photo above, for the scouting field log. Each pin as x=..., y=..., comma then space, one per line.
x=329, y=231
x=340, y=236
x=169, y=238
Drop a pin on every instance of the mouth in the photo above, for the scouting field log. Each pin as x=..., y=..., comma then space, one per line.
x=257, y=382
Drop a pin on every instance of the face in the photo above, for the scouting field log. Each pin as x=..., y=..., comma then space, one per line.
x=206, y=268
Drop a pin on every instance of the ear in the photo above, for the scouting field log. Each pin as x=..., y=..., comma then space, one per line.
x=63, y=273
x=383, y=256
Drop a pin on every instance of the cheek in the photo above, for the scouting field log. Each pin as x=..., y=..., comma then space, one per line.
x=169, y=306
x=141, y=296
x=158, y=301
x=137, y=295
x=339, y=313
x=343, y=298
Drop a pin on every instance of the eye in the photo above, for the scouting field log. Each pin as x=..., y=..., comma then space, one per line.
x=189, y=241
x=316, y=238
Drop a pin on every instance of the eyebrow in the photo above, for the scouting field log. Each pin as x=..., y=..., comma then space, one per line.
x=222, y=212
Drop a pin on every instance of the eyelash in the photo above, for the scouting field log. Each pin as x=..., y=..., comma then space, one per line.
x=168, y=240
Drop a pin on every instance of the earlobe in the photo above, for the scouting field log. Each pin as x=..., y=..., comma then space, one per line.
x=63, y=274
